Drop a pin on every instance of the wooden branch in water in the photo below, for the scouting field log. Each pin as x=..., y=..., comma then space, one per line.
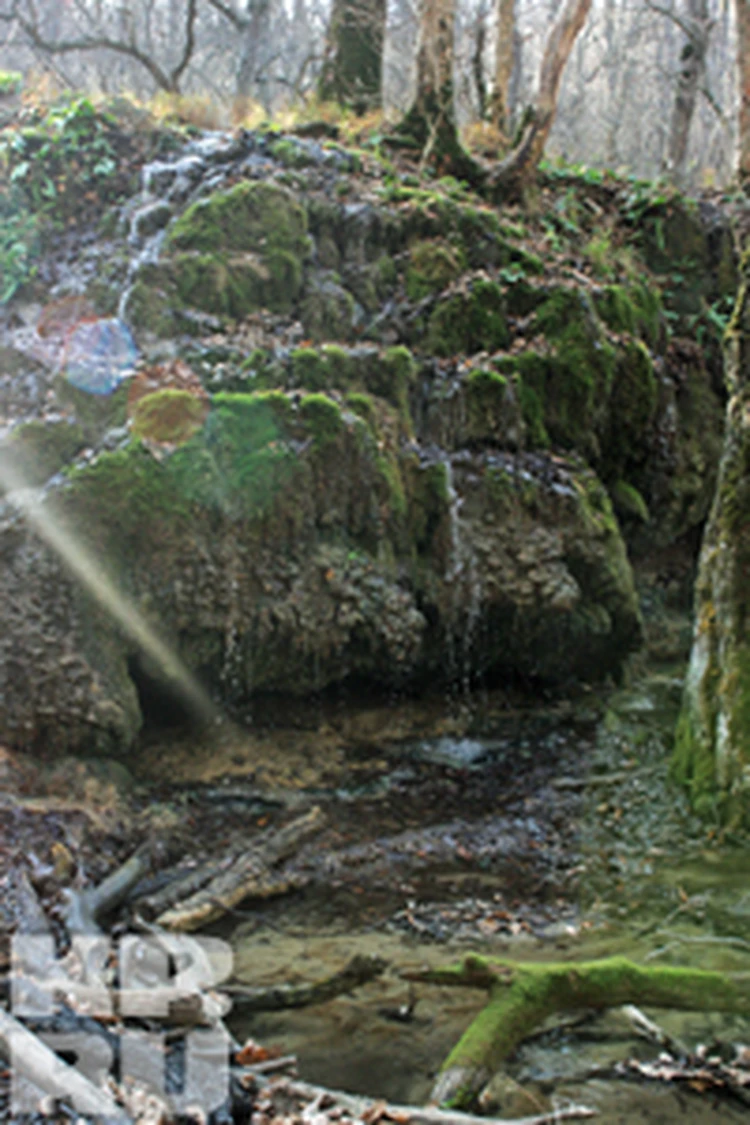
x=522, y=995
x=358, y=971
x=647, y=1029
x=250, y=874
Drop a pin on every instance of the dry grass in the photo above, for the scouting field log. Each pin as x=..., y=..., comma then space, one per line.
x=188, y=109
x=247, y=113
x=483, y=139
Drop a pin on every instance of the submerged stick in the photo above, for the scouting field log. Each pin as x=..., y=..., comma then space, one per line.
x=84, y=909
x=358, y=971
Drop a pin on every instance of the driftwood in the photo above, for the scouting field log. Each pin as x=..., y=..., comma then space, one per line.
x=522, y=996
x=85, y=909
x=370, y=1110
x=699, y=1073
x=249, y=874
x=181, y=887
x=36, y=1062
x=647, y=1029
x=358, y=971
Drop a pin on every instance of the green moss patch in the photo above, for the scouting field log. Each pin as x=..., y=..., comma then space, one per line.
x=433, y=265
x=168, y=416
x=233, y=252
x=634, y=308
x=36, y=450
x=470, y=321
x=486, y=403
x=628, y=502
x=236, y=464
x=632, y=408
x=322, y=417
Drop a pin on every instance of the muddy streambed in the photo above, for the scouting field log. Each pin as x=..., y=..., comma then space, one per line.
x=547, y=833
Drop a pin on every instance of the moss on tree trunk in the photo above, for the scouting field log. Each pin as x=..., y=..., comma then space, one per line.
x=352, y=72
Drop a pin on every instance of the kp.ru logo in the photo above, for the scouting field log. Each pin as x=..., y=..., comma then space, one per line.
x=76, y=1005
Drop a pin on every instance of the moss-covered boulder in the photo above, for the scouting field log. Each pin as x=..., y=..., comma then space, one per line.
x=472, y=405
x=472, y=319
x=712, y=751
x=228, y=254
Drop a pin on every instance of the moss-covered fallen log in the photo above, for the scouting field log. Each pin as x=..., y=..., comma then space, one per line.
x=523, y=995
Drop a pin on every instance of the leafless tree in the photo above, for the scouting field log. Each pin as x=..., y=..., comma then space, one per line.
x=115, y=30
x=743, y=63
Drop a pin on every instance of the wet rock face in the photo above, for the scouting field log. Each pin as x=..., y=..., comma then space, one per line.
x=392, y=470
x=712, y=752
x=303, y=557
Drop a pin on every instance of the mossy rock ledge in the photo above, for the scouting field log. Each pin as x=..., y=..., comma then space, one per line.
x=400, y=469
x=292, y=544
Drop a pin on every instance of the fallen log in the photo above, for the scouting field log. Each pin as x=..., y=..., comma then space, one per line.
x=359, y=970
x=523, y=995
x=250, y=874
x=371, y=1110
x=182, y=886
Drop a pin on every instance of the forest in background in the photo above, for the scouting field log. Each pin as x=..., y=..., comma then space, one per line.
x=650, y=88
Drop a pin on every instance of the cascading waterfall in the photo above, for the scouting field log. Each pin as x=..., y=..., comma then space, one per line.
x=463, y=577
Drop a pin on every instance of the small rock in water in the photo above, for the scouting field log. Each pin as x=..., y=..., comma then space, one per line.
x=456, y=752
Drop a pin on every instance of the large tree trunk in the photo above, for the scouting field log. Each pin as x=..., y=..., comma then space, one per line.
x=743, y=56
x=504, y=43
x=352, y=73
x=692, y=68
x=430, y=124
x=516, y=171
x=712, y=751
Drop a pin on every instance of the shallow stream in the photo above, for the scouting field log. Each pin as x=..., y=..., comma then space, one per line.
x=547, y=833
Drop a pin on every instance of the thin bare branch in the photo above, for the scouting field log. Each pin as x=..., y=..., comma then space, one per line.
x=128, y=47
x=240, y=22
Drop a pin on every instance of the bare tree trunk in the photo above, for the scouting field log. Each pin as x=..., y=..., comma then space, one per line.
x=697, y=28
x=743, y=57
x=353, y=69
x=500, y=104
x=516, y=171
x=479, y=39
x=255, y=30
